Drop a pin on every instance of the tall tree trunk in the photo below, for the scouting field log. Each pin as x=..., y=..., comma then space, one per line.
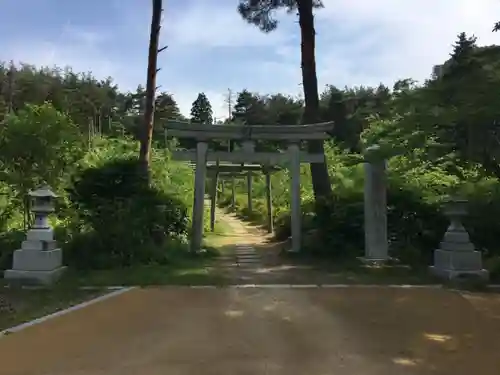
x=147, y=133
x=319, y=171
x=10, y=87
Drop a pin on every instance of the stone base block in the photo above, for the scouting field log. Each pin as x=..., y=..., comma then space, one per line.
x=456, y=246
x=34, y=277
x=40, y=234
x=39, y=245
x=458, y=260
x=450, y=274
x=290, y=249
x=36, y=260
x=456, y=236
x=378, y=262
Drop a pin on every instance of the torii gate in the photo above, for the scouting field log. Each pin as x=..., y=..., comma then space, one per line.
x=223, y=171
x=247, y=134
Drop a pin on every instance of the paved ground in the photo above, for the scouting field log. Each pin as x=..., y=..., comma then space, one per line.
x=234, y=331
x=265, y=331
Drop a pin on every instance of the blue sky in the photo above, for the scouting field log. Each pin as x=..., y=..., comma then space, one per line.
x=211, y=49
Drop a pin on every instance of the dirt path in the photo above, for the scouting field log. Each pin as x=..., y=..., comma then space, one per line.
x=249, y=256
x=262, y=262
x=238, y=257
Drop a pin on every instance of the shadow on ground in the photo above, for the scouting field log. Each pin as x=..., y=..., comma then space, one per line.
x=382, y=331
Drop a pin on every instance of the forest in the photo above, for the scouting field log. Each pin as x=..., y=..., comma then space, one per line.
x=79, y=134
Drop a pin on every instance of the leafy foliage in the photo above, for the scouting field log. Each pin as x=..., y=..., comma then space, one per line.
x=261, y=12
x=39, y=144
x=129, y=218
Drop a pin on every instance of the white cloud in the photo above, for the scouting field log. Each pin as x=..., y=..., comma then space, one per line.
x=79, y=57
x=85, y=37
x=406, y=37
x=205, y=26
x=359, y=42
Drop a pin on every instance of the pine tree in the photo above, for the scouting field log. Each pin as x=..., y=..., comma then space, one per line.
x=242, y=106
x=201, y=110
x=462, y=57
x=250, y=109
x=261, y=14
x=463, y=47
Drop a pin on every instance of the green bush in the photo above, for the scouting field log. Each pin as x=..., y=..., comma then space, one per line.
x=413, y=223
x=129, y=220
x=484, y=209
x=9, y=241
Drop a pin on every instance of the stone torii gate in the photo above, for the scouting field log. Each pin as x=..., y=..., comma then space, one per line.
x=224, y=171
x=247, y=134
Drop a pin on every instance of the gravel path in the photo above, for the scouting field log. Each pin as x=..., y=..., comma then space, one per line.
x=274, y=330
x=176, y=330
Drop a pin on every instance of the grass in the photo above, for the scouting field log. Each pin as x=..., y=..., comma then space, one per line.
x=147, y=275
x=21, y=305
x=196, y=269
x=359, y=274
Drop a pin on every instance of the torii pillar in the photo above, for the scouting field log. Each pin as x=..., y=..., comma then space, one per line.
x=199, y=196
x=296, y=215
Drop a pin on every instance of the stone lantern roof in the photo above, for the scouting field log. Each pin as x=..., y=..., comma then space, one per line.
x=43, y=192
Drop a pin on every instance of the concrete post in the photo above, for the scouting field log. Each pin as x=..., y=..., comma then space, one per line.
x=213, y=201
x=296, y=215
x=269, y=203
x=233, y=193
x=249, y=146
x=375, y=206
x=249, y=193
x=199, y=196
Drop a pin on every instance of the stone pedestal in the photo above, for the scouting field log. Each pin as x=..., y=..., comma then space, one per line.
x=456, y=256
x=39, y=261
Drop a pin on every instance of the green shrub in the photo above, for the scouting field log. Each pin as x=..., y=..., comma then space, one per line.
x=484, y=209
x=129, y=220
x=9, y=241
x=413, y=223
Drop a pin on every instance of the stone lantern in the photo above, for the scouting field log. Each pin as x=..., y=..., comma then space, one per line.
x=42, y=205
x=39, y=260
x=456, y=256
